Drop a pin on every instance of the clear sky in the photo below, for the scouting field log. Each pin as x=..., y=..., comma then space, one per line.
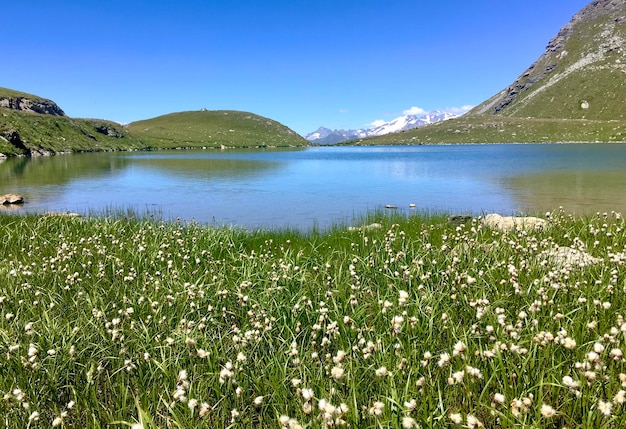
x=304, y=63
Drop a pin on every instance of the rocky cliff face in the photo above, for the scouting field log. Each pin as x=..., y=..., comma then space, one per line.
x=583, y=62
x=41, y=106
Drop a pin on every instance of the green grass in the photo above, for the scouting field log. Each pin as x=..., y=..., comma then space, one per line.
x=7, y=92
x=502, y=129
x=43, y=134
x=214, y=129
x=112, y=321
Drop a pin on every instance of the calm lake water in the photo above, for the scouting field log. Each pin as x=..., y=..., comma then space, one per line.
x=324, y=185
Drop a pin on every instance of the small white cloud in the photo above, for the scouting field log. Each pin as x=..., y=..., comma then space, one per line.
x=344, y=111
x=377, y=123
x=414, y=111
x=459, y=110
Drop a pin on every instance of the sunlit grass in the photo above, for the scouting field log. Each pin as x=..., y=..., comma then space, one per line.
x=119, y=321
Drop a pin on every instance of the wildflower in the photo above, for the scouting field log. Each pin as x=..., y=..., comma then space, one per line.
x=620, y=397
x=396, y=324
x=381, y=372
x=233, y=415
x=258, y=401
x=307, y=394
x=32, y=350
x=473, y=422
x=569, y=343
x=455, y=418
x=444, y=359
x=457, y=377
x=404, y=297
x=605, y=407
x=340, y=357
x=337, y=372
x=473, y=372
x=377, y=408
x=34, y=416
x=192, y=404
x=204, y=409
x=409, y=423
x=226, y=373
x=410, y=405
x=616, y=354
x=547, y=411
x=459, y=348
x=498, y=398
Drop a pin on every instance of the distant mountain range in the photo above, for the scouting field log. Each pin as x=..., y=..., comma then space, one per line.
x=402, y=123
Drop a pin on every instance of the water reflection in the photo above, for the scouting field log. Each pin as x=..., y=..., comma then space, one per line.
x=577, y=191
x=322, y=185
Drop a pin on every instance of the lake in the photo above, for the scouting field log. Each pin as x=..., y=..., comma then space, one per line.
x=324, y=185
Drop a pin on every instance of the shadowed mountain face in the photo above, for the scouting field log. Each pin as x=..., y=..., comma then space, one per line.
x=581, y=75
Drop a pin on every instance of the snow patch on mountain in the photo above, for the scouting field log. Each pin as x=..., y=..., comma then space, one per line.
x=411, y=118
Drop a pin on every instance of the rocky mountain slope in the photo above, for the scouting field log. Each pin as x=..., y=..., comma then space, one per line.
x=574, y=92
x=581, y=75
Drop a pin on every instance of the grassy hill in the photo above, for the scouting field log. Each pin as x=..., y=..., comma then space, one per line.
x=33, y=125
x=214, y=128
x=576, y=91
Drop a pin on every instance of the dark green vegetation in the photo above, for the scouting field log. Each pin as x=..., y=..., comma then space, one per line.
x=575, y=92
x=401, y=323
x=32, y=125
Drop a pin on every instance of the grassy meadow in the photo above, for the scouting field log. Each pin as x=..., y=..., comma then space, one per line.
x=405, y=322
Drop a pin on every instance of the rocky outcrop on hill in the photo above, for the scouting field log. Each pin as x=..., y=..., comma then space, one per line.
x=41, y=106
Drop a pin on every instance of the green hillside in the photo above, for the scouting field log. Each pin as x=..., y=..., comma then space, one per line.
x=214, y=128
x=32, y=125
x=502, y=129
x=574, y=92
x=581, y=75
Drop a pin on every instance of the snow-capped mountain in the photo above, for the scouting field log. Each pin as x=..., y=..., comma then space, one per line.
x=406, y=122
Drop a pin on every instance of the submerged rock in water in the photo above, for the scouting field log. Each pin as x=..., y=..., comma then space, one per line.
x=508, y=223
x=11, y=199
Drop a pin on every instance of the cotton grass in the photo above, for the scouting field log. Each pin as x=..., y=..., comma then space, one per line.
x=419, y=323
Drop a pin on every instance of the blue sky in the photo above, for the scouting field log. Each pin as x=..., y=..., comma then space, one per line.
x=304, y=63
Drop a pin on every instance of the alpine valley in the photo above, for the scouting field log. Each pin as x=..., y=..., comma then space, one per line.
x=574, y=92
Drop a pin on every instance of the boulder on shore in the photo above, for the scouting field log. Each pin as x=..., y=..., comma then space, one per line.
x=508, y=223
x=11, y=199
